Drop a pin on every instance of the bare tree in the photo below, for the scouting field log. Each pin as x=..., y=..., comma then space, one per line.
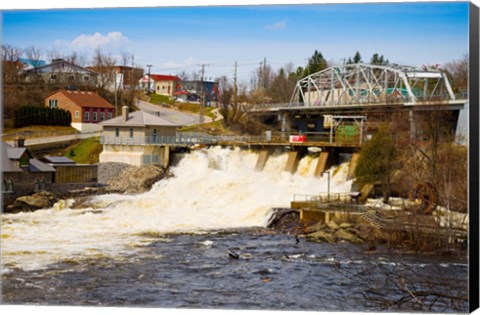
x=458, y=72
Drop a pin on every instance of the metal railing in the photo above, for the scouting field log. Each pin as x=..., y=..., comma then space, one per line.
x=54, y=139
x=274, y=138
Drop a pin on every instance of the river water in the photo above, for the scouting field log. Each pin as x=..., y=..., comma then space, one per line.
x=169, y=248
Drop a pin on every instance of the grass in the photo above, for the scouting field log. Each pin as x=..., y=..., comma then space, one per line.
x=161, y=99
x=195, y=108
x=85, y=151
x=37, y=132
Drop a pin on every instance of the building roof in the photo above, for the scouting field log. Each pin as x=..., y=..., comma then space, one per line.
x=15, y=153
x=139, y=119
x=162, y=77
x=85, y=99
x=35, y=166
x=62, y=66
x=8, y=165
x=32, y=63
x=58, y=160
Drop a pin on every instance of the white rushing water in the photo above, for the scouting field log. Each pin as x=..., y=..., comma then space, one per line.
x=212, y=189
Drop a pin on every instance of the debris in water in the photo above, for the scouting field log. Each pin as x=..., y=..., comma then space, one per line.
x=232, y=254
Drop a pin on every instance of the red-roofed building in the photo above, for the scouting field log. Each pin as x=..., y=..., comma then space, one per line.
x=87, y=108
x=161, y=84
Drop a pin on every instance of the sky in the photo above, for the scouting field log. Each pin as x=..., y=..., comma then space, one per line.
x=176, y=39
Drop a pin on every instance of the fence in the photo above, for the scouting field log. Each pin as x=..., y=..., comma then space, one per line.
x=273, y=138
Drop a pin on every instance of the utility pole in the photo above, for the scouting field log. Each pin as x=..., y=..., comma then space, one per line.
x=148, y=66
x=202, y=103
x=235, y=85
x=115, y=86
x=265, y=72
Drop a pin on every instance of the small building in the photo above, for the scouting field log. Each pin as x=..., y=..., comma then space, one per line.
x=61, y=72
x=87, y=108
x=160, y=84
x=197, y=89
x=118, y=78
x=22, y=174
x=134, y=138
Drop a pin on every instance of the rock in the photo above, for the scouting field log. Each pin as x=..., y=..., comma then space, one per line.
x=347, y=236
x=40, y=200
x=138, y=179
x=345, y=225
x=321, y=236
x=333, y=225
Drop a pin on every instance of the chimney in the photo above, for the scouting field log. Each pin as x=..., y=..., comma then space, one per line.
x=19, y=143
x=124, y=113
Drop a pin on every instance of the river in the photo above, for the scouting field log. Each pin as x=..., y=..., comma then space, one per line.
x=169, y=248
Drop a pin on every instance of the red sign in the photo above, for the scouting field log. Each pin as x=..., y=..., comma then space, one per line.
x=298, y=139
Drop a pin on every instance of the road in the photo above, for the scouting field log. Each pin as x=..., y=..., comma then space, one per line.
x=174, y=116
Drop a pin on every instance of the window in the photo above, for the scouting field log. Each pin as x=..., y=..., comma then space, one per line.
x=130, y=132
x=7, y=185
x=39, y=184
x=94, y=116
x=86, y=78
x=117, y=132
x=53, y=77
x=53, y=103
x=109, y=115
x=102, y=116
x=71, y=78
x=87, y=116
x=77, y=114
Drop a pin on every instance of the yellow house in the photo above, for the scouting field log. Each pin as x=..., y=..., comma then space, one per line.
x=161, y=84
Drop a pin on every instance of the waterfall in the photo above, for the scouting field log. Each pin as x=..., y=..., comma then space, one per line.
x=214, y=188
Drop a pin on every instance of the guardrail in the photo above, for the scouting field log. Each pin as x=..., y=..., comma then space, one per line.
x=54, y=139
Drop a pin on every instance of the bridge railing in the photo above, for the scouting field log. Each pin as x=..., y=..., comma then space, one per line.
x=282, y=138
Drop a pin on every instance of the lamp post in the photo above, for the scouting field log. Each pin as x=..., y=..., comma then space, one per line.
x=328, y=185
x=149, y=66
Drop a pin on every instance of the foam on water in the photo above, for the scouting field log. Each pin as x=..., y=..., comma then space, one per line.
x=212, y=189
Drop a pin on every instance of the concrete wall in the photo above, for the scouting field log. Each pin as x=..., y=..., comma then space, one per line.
x=87, y=127
x=136, y=155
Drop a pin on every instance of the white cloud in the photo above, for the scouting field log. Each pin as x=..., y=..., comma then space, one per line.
x=85, y=42
x=280, y=25
x=99, y=40
x=174, y=65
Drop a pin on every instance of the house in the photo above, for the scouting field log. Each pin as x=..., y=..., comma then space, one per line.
x=134, y=138
x=126, y=77
x=29, y=64
x=21, y=173
x=197, y=88
x=62, y=72
x=160, y=84
x=87, y=108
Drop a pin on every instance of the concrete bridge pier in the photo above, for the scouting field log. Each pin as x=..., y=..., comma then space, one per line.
x=327, y=159
x=262, y=159
x=294, y=158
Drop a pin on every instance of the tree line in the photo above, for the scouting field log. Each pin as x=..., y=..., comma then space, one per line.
x=33, y=115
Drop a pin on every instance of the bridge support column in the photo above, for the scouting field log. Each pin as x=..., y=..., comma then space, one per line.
x=325, y=160
x=411, y=119
x=352, y=166
x=262, y=160
x=284, y=121
x=164, y=155
x=292, y=162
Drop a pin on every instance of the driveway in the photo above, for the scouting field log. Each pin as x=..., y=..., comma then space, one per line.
x=174, y=116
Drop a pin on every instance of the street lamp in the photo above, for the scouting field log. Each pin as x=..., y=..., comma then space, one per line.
x=328, y=184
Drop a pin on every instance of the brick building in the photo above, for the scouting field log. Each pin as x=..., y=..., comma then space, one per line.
x=87, y=108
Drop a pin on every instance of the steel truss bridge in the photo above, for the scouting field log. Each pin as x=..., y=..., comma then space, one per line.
x=365, y=85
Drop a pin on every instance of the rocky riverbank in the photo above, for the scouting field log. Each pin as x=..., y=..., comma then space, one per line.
x=112, y=178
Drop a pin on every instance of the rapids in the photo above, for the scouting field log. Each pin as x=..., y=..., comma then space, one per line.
x=212, y=189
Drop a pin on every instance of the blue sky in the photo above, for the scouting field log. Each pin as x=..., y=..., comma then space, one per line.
x=182, y=38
